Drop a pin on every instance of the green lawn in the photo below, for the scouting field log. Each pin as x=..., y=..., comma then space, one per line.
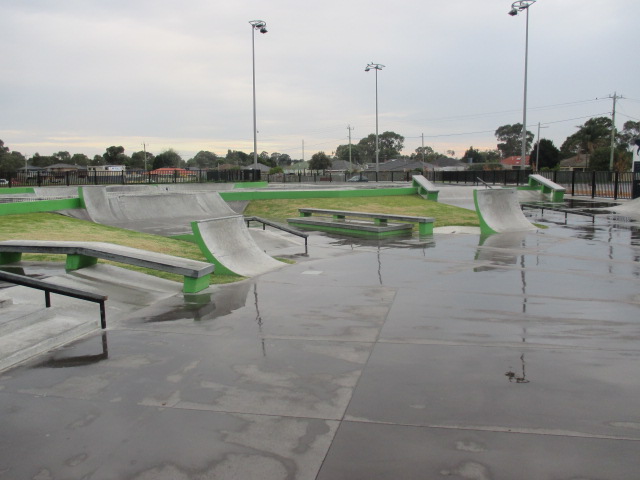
x=445, y=215
x=52, y=226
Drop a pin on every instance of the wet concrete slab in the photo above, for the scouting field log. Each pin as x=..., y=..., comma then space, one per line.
x=542, y=391
x=450, y=356
x=362, y=451
x=109, y=440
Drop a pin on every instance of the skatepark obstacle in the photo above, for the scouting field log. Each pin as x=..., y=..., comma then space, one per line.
x=499, y=211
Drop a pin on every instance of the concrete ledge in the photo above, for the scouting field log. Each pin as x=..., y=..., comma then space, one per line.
x=351, y=227
x=426, y=189
x=547, y=187
x=425, y=224
x=82, y=254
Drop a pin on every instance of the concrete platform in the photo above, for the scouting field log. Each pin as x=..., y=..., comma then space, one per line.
x=455, y=356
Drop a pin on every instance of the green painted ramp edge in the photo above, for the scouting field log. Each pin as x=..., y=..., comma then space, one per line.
x=220, y=268
x=485, y=229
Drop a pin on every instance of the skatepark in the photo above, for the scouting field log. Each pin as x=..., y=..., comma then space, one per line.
x=453, y=355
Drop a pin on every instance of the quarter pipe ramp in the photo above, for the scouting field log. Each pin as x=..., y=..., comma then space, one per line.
x=227, y=243
x=499, y=211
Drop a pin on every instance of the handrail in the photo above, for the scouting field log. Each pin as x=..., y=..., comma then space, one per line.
x=66, y=291
x=278, y=226
x=485, y=183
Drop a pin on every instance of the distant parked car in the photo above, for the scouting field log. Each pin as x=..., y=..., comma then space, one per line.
x=4, y=181
x=358, y=178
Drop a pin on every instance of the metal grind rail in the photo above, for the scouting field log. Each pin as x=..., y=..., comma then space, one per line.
x=49, y=288
x=278, y=226
x=561, y=210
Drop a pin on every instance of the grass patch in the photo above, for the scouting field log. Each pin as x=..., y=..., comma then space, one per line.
x=51, y=226
x=445, y=215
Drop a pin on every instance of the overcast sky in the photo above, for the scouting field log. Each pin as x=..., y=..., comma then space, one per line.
x=82, y=75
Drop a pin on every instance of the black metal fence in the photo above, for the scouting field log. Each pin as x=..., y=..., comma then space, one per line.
x=330, y=177
x=131, y=177
x=594, y=184
x=591, y=184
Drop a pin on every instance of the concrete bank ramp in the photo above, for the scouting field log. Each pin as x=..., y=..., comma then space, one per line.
x=630, y=208
x=162, y=213
x=227, y=243
x=499, y=211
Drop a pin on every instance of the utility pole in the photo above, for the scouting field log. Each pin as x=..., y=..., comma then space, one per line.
x=350, y=165
x=613, y=128
x=303, y=150
x=144, y=149
x=423, y=149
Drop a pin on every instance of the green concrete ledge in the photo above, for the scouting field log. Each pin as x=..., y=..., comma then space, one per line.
x=334, y=193
x=39, y=206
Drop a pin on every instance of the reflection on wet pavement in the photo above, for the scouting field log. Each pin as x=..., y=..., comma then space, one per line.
x=507, y=356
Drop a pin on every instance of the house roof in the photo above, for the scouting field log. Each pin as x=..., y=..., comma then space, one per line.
x=516, y=160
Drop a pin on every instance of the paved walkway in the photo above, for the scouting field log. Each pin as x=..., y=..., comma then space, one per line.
x=512, y=357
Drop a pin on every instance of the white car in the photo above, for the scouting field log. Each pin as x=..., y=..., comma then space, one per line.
x=4, y=181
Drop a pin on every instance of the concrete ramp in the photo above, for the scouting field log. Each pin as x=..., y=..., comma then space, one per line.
x=426, y=189
x=227, y=243
x=161, y=213
x=630, y=208
x=499, y=211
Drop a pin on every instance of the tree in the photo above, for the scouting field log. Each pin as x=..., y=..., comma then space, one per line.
x=114, y=156
x=168, y=158
x=629, y=134
x=138, y=160
x=204, y=159
x=595, y=133
x=549, y=156
x=422, y=153
x=80, y=159
x=42, y=161
x=62, y=157
x=235, y=157
x=3, y=149
x=342, y=153
x=265, y=159
x=472, y=156
x=491, y=156
x=510, y=138
x=319, y=161
x=97, y=160
x=390, y=144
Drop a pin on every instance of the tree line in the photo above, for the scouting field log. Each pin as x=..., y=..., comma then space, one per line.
x=592, y=138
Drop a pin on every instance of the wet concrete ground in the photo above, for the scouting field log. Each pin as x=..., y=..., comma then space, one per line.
x=452, y=356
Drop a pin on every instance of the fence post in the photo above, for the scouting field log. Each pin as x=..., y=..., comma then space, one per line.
x=615, y=186
x=593, y=184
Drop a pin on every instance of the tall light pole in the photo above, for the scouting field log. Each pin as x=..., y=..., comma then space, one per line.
x=517, y=7
x=376, y=67
x=261, y=26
